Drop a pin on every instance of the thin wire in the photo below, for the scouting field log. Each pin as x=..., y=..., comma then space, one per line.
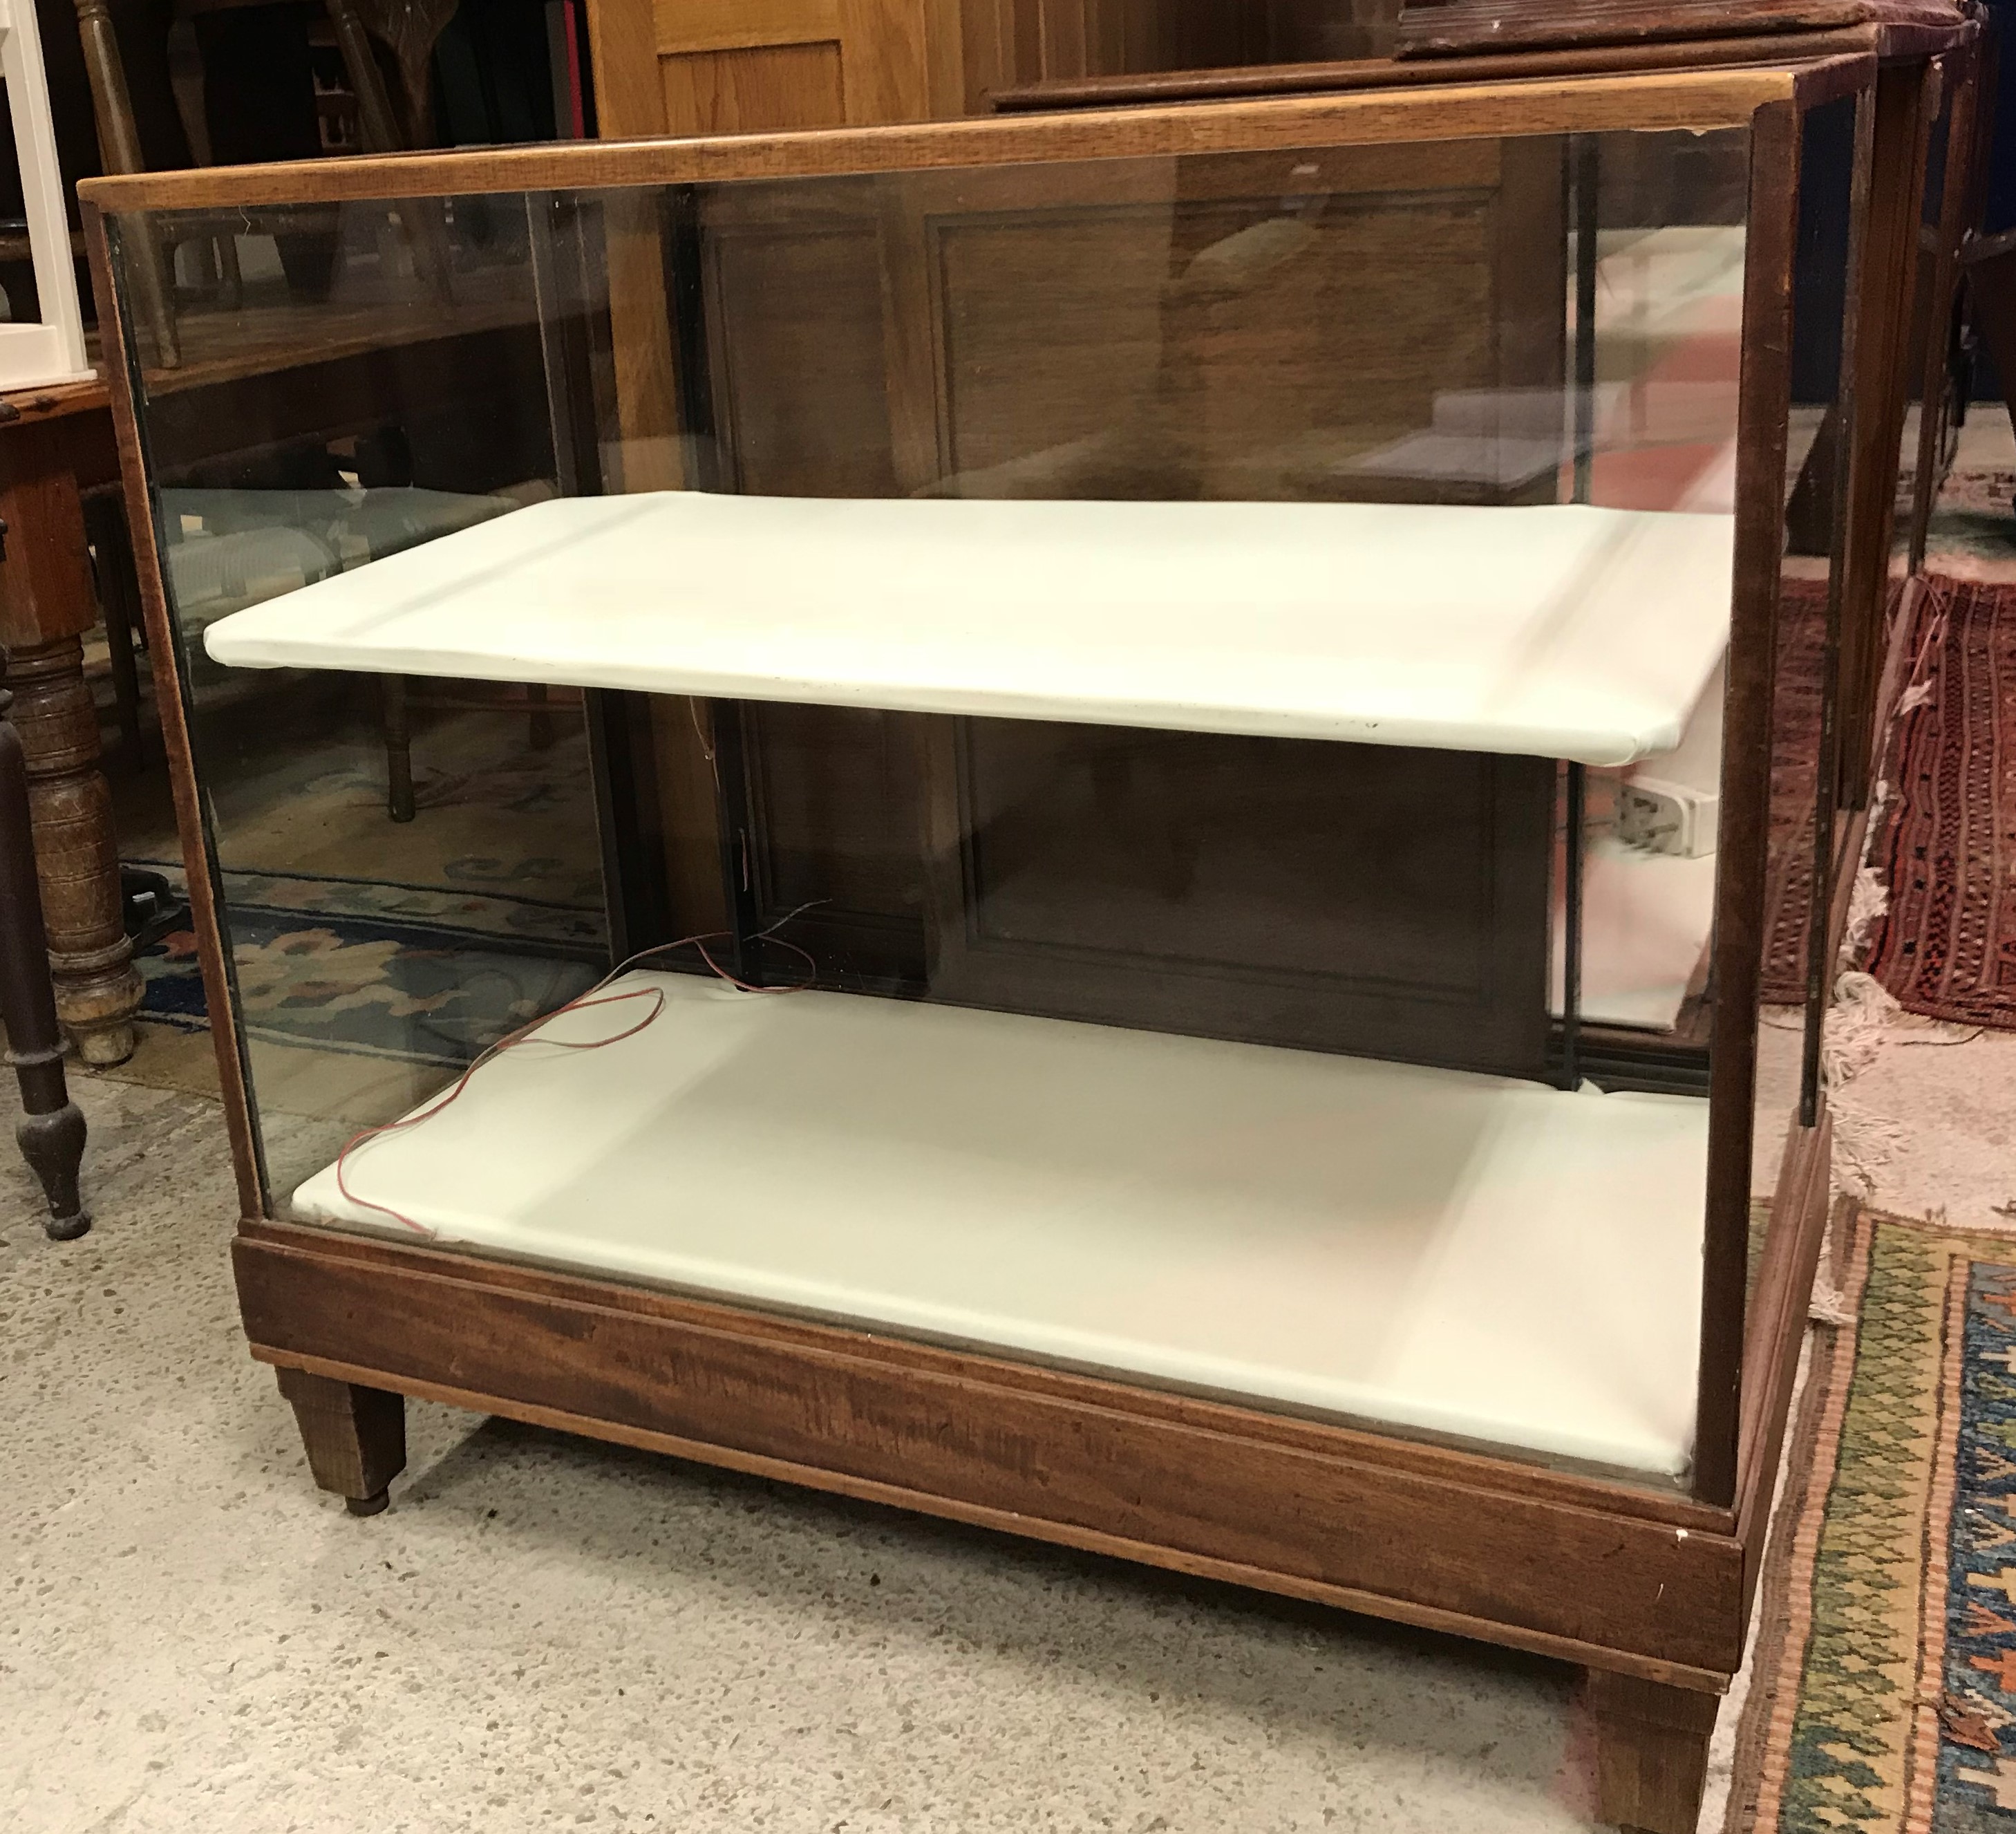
x=526, y=1033
x=706, y=743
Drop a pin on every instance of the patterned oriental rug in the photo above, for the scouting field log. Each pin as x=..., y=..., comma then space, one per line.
x=1795, y=761
x=1946, y=947
x=362, y=967
x=1883, y=1699
x=1945, y=846
x=418, y=942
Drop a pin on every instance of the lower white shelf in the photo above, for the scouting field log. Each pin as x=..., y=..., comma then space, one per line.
x=1433, y=1250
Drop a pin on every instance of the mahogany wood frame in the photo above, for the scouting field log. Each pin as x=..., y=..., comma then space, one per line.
x=1648, y=1586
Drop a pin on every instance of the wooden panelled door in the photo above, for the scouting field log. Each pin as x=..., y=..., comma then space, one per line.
x=738, y=66
x=729, y=66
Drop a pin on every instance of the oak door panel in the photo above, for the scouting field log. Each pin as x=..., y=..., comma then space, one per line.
x=757, y=89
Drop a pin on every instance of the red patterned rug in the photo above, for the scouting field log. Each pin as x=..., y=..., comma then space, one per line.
x=1795, y=760
x=1946, y=948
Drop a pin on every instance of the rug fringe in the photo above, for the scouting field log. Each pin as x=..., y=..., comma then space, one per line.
x=1829, y=1305
x=1864, y=1021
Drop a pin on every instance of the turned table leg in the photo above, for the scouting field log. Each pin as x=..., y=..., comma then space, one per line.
x=77, y=855
x=46, y=605
x=355, y=1437
x=52, y=1128
x=1651, y=1752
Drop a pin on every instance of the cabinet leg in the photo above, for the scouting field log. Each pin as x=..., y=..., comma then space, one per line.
x=355, y=1437
x=1651, y=1752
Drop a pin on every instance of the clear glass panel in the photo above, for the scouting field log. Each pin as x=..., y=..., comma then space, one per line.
x=1143, y=631
x=1814, y=530
x=1932, y=427
x=408, y=867
x=1801, y=827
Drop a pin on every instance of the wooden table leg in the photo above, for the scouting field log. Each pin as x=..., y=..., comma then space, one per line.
x=52, y=1128
x=119, y=599
x=46, y=605
x=355, y=1437
x=1651, y=1752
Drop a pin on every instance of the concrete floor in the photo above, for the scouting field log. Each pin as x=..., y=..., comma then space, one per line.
x=544, y=1633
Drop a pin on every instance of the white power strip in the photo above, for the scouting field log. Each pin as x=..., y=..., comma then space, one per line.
x=1667, y=818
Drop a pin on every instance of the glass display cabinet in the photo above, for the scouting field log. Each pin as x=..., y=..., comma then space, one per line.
x=1123, y=822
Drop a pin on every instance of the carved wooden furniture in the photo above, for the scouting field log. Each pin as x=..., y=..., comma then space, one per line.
x=1148, y=736
x=51, y=1130
x=56, y=444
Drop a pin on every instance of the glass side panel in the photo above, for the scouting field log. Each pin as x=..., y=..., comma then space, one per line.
x=1931, y=428
x=1149, y=730
x=407, y=867
x=1806, y=638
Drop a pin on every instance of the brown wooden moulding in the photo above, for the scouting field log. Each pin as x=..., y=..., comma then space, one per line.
x=1455, y=1542
x=1664, y=100
x=1242, y=82
x=1763, y=386
x=1442, y=28
x=1885, y=286
x=1960, y=82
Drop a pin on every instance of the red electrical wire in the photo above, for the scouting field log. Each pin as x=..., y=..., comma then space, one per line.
x=581, y=1003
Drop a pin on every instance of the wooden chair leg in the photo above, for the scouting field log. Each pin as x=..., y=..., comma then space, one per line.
x=52, y=1130
x=119, y=151
x=411, y=38
x=375, y=121
x=231, y=282
x=355, y=1437
x=543, y=731
x=217, y=255
x=398, y=727
x=1651, y=1752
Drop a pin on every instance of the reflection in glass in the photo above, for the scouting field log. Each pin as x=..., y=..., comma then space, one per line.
x=1226, y=652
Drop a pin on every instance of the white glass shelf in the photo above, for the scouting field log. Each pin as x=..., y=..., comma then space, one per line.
x=1557, y=630
x=1426, y=1248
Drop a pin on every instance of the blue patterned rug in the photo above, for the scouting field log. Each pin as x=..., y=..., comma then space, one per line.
x=360, y=966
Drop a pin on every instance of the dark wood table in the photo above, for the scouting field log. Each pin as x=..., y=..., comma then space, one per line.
x=56, y=444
